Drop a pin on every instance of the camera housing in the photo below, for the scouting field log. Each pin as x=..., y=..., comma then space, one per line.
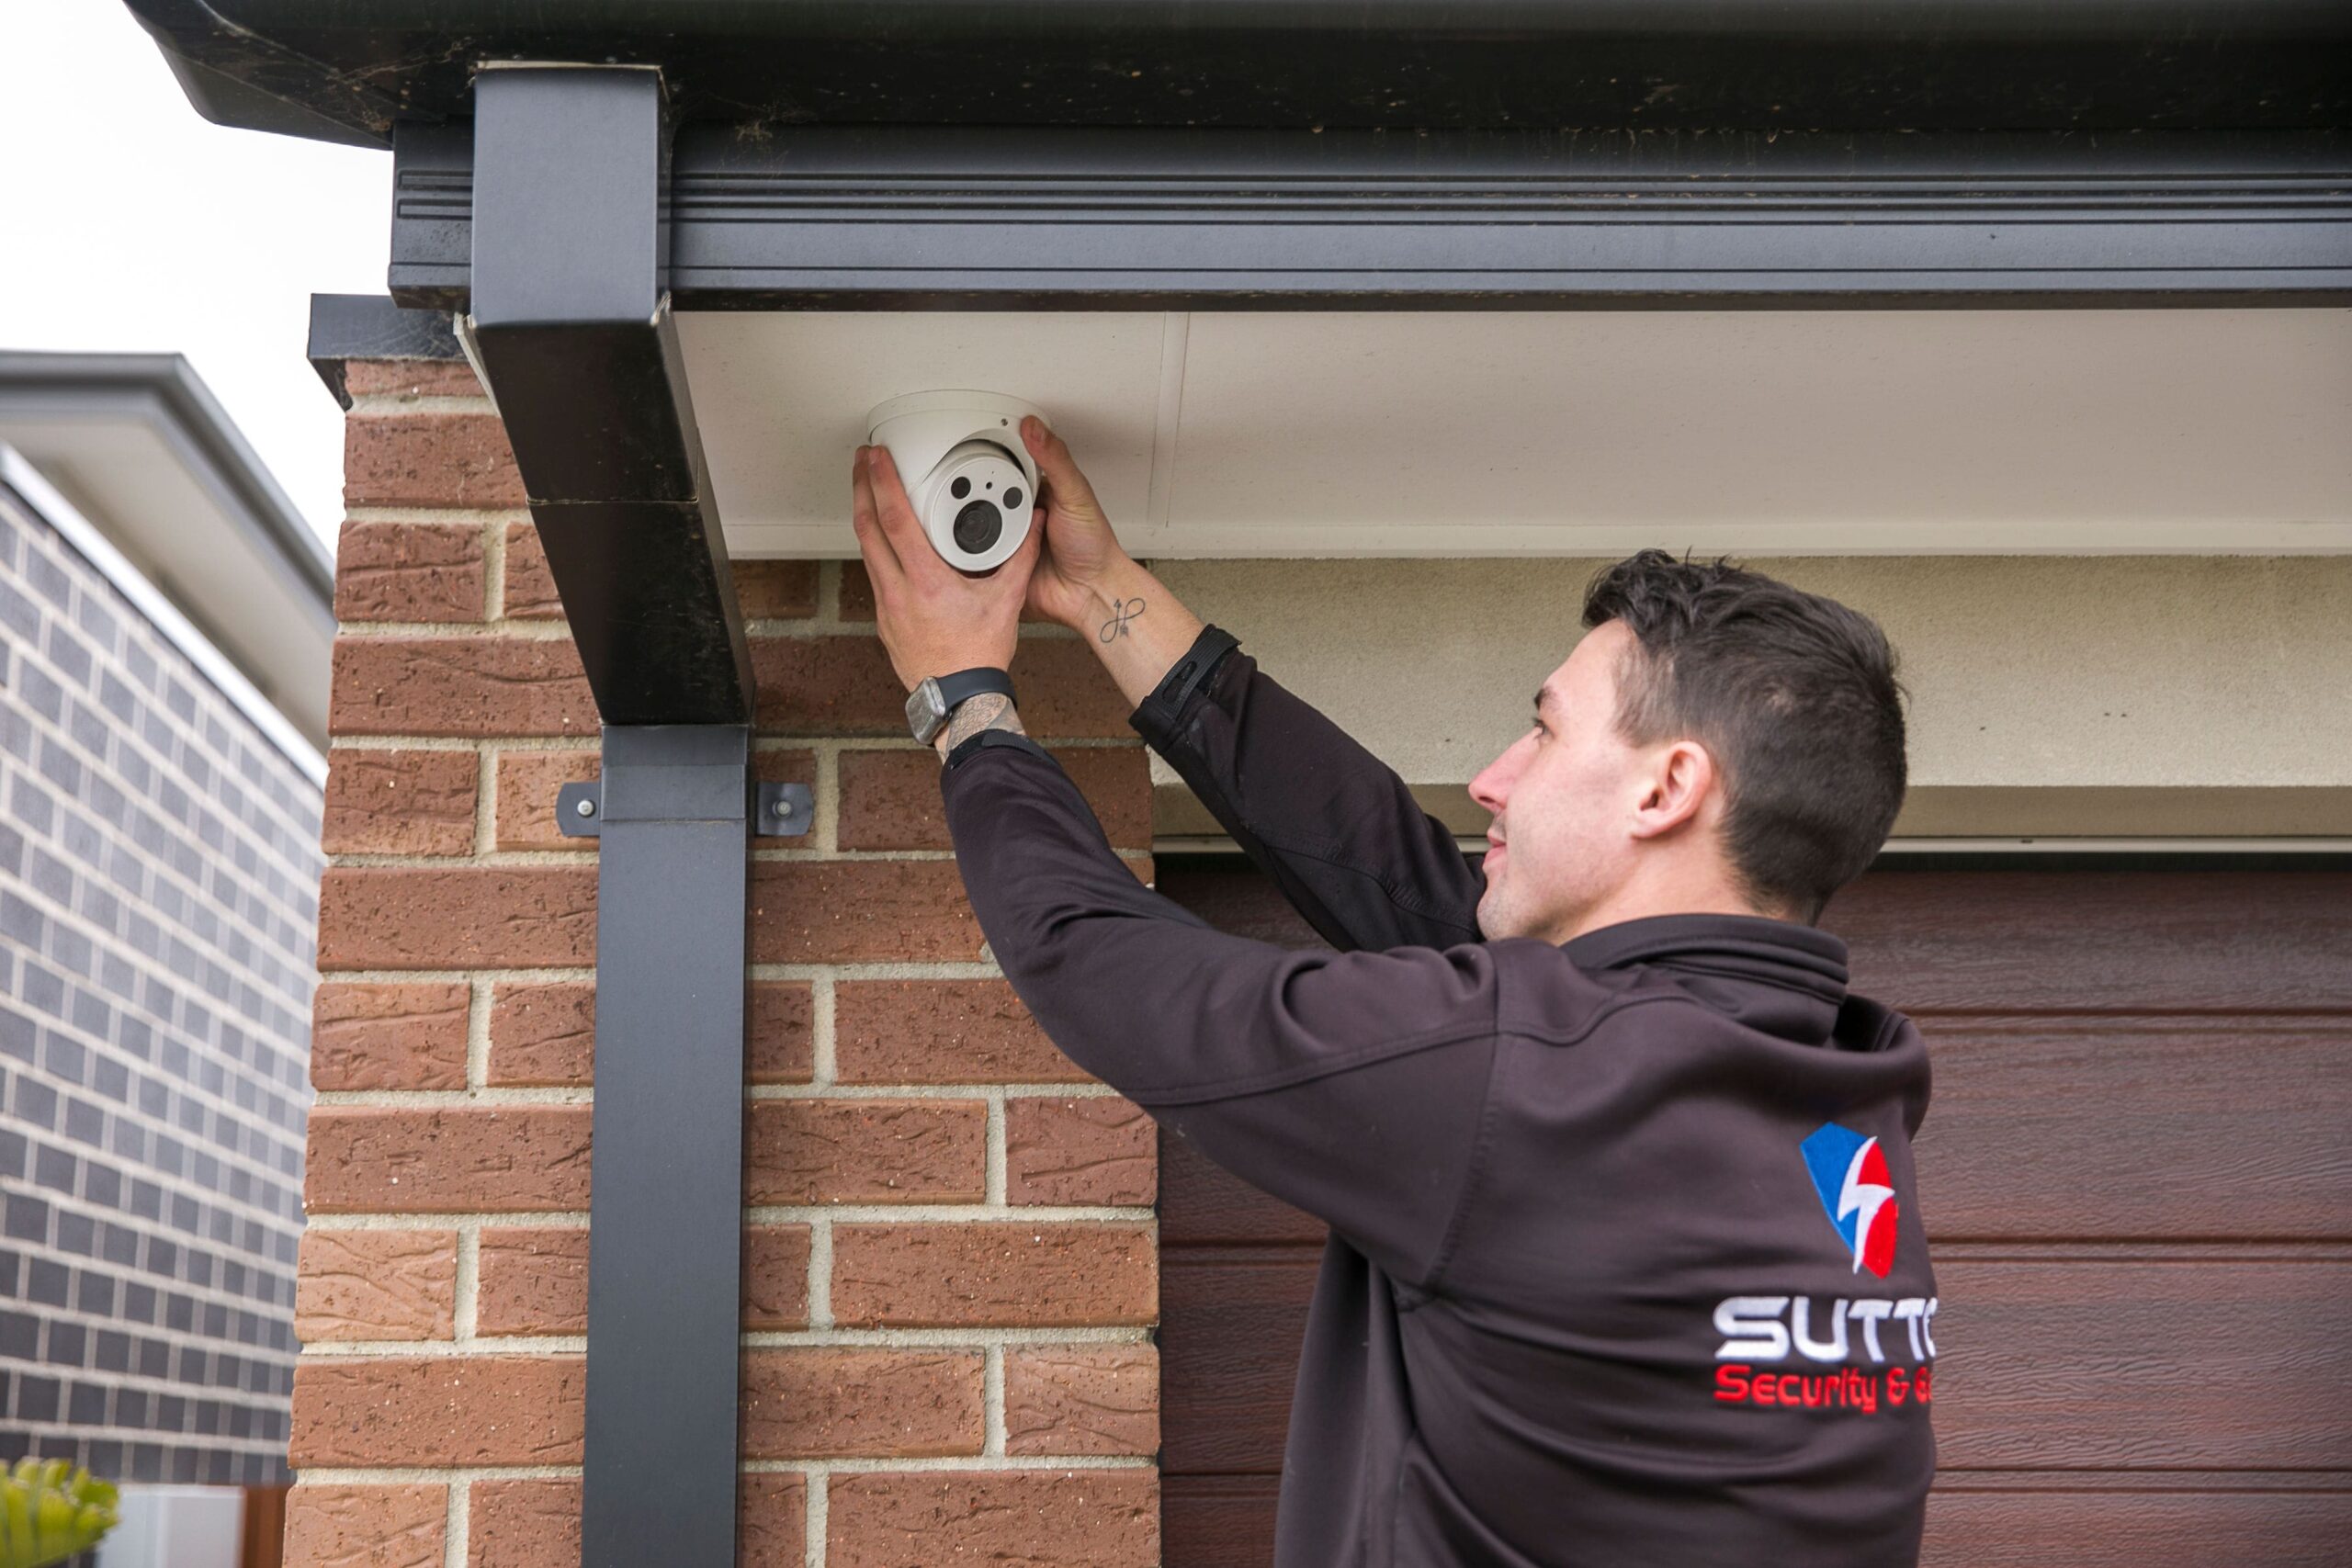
x=968, y=475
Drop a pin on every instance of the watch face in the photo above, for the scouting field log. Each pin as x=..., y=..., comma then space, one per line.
x=925, y=709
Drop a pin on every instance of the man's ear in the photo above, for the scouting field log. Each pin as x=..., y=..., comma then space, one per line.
x=1680, y=777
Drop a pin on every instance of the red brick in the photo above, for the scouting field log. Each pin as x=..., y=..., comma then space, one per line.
x=827, y=685
x=399, y=803
x=546, y=1033
x=489, y=1159
x=819, y=1403
x=861, y=911
x=365, y=1035
x=993, y=1275
x=1095, y=1149
x=408, y=572
x=409, y=378
x=542, y=1034
x=406, y=457
x=473, y=918
x=766, y=590
x=528, y=785
x=535, y=1280
x=365, y=1527
x=536, y=1523
x=437, y=1410
x=844, y=685
x=775, y=589
x=529, y=592
x=866, y=1151
x=783, y=1047
x=391, y=1284
x=941, y=1032
x=463, y=686
x=890, y=798
x=1034, y=1518
x=1081, y=1399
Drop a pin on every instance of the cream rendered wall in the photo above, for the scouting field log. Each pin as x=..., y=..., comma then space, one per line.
x=2107, y=696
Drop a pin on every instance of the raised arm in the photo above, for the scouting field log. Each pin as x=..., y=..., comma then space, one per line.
x=1334, y=827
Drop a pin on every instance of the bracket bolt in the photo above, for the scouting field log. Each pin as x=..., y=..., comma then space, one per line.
x=586, y=807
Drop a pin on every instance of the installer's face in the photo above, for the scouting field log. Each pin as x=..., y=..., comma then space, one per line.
x=1562, y=797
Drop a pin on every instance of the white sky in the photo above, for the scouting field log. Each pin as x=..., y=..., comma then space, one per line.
x=132, y=223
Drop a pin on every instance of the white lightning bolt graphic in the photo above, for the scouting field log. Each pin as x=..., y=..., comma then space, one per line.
x=1863, y=1197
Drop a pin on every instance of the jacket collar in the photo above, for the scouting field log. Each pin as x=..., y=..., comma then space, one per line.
x=1752, y=947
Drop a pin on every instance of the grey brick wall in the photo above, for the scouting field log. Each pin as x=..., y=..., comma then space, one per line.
x=159, y=875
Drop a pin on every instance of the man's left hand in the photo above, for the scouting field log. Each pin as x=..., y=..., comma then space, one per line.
x=934, y=619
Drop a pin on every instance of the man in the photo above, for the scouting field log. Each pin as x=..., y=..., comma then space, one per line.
x=1626, y=1265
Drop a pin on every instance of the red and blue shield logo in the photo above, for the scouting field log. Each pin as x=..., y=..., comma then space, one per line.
x=1857, y=1190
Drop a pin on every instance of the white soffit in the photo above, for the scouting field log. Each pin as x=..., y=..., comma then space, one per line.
x=1583, y=433
x=146, y=495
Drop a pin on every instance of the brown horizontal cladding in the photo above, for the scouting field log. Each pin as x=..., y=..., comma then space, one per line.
x=2273, y=1520
x=1974, y=811
x=2135, y=1168
x=2049, y=1362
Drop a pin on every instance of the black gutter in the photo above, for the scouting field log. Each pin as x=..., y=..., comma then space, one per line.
x=349, y=70
x=908, y=218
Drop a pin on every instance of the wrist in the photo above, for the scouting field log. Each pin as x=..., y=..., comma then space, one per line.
x=1099, y=597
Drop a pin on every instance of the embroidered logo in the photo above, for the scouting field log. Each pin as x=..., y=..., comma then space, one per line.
x=1850, y=1172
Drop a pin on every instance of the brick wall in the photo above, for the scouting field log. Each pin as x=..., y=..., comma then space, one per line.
x=158, y=879
x=950, y=1256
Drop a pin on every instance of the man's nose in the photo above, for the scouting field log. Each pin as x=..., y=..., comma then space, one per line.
x=1493, y=784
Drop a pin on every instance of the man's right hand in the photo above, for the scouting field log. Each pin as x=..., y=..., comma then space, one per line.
x=1089, y=583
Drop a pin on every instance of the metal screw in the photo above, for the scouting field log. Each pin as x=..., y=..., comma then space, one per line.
x=586, y=807
x=782, y=808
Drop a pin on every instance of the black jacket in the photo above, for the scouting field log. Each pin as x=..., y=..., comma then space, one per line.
x=1626, y=1262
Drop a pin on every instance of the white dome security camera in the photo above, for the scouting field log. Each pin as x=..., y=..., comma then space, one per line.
x=968, y=473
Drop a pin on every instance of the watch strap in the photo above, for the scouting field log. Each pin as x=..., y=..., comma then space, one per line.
x=968, y=683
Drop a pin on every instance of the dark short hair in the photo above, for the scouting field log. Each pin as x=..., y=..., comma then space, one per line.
x=1794, y=697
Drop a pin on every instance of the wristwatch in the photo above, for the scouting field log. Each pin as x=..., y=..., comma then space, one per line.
x=930, y=703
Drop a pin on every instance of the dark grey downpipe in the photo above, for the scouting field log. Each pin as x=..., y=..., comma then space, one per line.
x=571, y=330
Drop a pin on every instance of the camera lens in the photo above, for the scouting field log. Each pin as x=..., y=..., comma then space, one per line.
x=961, y=488
x=1012, y=496
x=978, y=527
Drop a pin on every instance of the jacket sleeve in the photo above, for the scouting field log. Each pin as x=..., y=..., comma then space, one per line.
x=1334, y=827
x=1351, y=1085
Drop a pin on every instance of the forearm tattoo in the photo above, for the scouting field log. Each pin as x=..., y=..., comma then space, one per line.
x=1122, y=612
x=989, y=710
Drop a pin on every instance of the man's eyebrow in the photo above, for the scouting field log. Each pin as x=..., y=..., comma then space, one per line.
x=1543, y=692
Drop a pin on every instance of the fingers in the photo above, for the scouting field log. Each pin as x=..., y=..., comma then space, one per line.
x=881, y=559
x=1058, y=467
x=900, y=525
